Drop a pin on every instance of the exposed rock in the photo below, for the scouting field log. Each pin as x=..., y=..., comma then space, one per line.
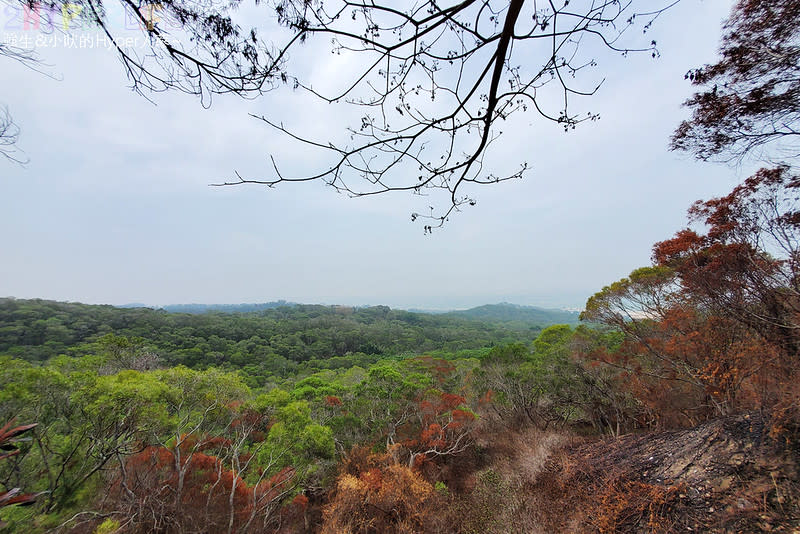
x=725, y=475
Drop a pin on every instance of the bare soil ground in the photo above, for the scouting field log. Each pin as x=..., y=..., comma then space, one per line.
x=723, y=476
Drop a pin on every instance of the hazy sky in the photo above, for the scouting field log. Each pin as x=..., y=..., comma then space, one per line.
x=115, y=207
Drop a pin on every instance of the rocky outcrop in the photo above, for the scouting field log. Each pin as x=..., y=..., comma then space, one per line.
x=726, y=475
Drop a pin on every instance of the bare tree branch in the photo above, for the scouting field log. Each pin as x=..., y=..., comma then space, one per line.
x=436, y=81
x=194, y=47
x=9, y=134
x=748, y=103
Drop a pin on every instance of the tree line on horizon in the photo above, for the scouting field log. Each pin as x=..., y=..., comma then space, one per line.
x=270, y=342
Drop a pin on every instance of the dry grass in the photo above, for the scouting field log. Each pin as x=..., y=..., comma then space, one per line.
x=503, y=498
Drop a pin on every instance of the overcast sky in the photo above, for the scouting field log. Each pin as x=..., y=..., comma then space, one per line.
x=115, y=207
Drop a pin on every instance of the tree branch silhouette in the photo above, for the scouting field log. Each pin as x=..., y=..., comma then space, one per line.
x=435, y=82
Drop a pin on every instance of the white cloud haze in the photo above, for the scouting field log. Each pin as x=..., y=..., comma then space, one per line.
x=115, y=207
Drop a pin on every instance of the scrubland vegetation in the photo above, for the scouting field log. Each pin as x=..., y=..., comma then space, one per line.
x=154, y=422
x=674, y=406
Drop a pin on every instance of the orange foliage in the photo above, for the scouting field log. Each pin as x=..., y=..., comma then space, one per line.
x=300, y=500
x=332, y=400
x=626, y=505
x=486, y=398
x=745, y=268
x=372, y=478
x=185, y=489
x=385, y=498
x=684, y=366
x=442, y=427
x=717, y=355
x=462, y=416
x=433, y=436
x=714, y=326
x=439, y=368
x=449, y=401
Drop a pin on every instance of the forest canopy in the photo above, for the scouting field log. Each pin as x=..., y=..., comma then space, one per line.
x=272, y=341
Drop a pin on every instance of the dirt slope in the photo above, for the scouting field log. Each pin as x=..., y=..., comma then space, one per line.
x=726, y=475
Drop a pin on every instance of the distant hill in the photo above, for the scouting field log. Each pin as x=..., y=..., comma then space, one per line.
x=226, y=308
x=283, y=336
x=507, y=313
x=514, y=313
x=133, y=305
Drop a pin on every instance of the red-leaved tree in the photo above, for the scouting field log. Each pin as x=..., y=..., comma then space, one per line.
x=195, y=487
x=745, y=261
x=749, y=102
x=9, y=434
x=719, y=313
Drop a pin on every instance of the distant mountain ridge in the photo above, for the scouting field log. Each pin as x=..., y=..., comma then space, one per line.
x=267, y=341
x=503, y=312
x=514, y=313
x=227, y=308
